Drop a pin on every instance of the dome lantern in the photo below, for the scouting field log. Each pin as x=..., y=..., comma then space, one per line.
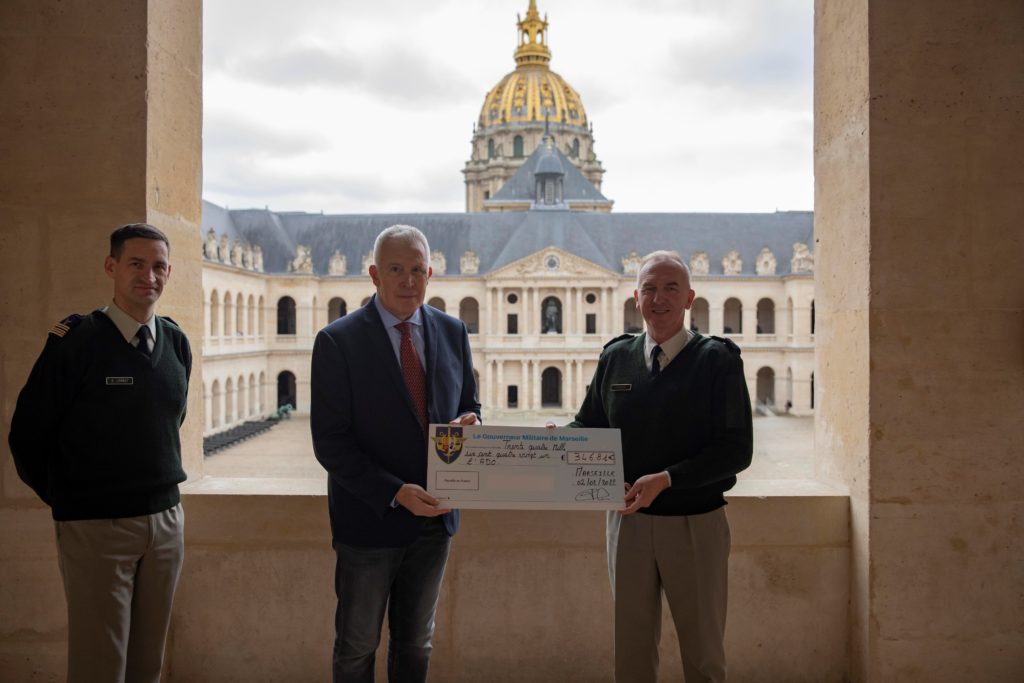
x=533, y=30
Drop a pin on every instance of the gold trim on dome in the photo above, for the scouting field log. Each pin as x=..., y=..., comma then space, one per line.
x=532, y=92
x=533, y=47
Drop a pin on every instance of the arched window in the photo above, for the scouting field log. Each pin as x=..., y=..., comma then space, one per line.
x=812, y=391
x=812, y=316
x=490, y=148
x=261, y=312
x=766, y=387
x=227, y=331
x=229, y=402
x=438, y=303
x=733, y=318
x=469, y=313
x=261, y=400
x=215, y=408
x=250, y=328
x=214, y=314
x=632, y=321
x=517, y=147
x=575, y=150
x=699, y=316
x=789, y=316
x=551, y=316
x=239, y=316
x=253, y=404
x=336, y=308
x=551, y=388
x=286, y=395
x=789, y=389
x=766, y=316
x=286, y=315
x=243, y=410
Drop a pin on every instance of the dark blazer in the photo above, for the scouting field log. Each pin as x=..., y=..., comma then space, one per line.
x=365, y=430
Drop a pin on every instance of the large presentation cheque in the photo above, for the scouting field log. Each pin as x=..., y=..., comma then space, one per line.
x=525, y=468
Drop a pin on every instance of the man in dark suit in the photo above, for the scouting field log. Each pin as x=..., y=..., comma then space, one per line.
x=380, y=375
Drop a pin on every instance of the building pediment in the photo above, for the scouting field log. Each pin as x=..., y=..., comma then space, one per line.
x=550, y=263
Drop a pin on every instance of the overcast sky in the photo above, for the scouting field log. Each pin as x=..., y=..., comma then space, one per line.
x=351, y=106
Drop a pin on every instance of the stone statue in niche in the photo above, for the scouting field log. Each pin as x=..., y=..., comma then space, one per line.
x=210, y=249
x=732, y=264
x=437, y=262
x=247, y=257
x=631, y=263
x=337, y=265
x=257, y=258
x=367, y=262
x=303, y=261
x=236, y=254
x=700, y=264
x=552, y=322
x=766, y=262
x=224, y=253
x=803, y=259
x=469, y=264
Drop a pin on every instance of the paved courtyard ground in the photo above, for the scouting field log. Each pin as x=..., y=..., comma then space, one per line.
x=782, y=450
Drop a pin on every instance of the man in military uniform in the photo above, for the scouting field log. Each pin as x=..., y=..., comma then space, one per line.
x=680, y=400
x=95, y=434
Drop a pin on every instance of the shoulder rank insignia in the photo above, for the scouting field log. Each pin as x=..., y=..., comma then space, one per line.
x=617, y=339
x=66, y=325
x=728, y=343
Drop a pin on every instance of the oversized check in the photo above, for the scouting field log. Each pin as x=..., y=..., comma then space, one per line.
x=525, y=468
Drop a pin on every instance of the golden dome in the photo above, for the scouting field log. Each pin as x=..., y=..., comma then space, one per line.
x=532, y=93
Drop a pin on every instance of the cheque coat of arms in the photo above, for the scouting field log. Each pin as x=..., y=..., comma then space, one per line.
x=448, y=443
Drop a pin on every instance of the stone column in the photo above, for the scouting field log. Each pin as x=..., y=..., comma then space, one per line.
x=501, y=399
x=488, y=388
x=524, y=385
x=918, y=193
x=101, y=113
x=604, y=319
x=535, y=384
x=500, y=328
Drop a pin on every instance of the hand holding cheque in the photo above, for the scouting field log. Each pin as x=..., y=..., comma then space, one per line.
x=525, y=468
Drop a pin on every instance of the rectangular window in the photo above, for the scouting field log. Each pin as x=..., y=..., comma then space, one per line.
x=513, y=323
x=591, y=323
x=513, y=396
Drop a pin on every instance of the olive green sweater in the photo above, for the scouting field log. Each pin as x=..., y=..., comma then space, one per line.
x=95, y=429
x=692, y=419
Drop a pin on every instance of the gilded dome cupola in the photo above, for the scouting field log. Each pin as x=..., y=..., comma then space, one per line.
x=512, y=120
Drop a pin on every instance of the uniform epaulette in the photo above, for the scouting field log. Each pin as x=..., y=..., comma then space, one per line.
x=171, y=321
x=66, y=325
x=617, y=339
x=729, y=343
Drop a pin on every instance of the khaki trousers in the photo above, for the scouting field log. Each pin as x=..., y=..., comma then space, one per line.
x=119, y=580
x=687, y=557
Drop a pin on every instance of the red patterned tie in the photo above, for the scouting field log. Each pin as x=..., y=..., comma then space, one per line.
x=412, y=371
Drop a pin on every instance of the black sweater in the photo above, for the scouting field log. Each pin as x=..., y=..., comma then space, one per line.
x=693, y=419
x=95, y=429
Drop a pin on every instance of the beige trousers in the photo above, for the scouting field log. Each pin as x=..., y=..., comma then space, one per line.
x=119, y=580
x=687, y=557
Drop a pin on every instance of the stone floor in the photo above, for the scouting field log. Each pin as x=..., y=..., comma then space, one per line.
x=782, y=450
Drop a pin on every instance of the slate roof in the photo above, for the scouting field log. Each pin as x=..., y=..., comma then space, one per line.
x=502, y=238
x=521, y=186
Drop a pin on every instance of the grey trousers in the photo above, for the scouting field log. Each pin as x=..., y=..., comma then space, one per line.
x=687, y=557
x=119, y=580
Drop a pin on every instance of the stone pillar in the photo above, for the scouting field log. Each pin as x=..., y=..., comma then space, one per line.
x=748, y=316
x=604, y=319
x=535, y=387
x=524, y=388
x=500, y=326
x=101, y=113
x=501, y=401
x=918, y=194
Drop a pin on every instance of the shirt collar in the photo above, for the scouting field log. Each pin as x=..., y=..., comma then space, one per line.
x=390, y=319
x=127, y=325
x=671, y=347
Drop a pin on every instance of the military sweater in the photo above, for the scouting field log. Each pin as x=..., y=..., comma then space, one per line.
x=96, y=428
x=693, y=419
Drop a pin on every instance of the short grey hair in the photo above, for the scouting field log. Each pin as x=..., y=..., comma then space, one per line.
x=405, y=234
x=663, y=256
